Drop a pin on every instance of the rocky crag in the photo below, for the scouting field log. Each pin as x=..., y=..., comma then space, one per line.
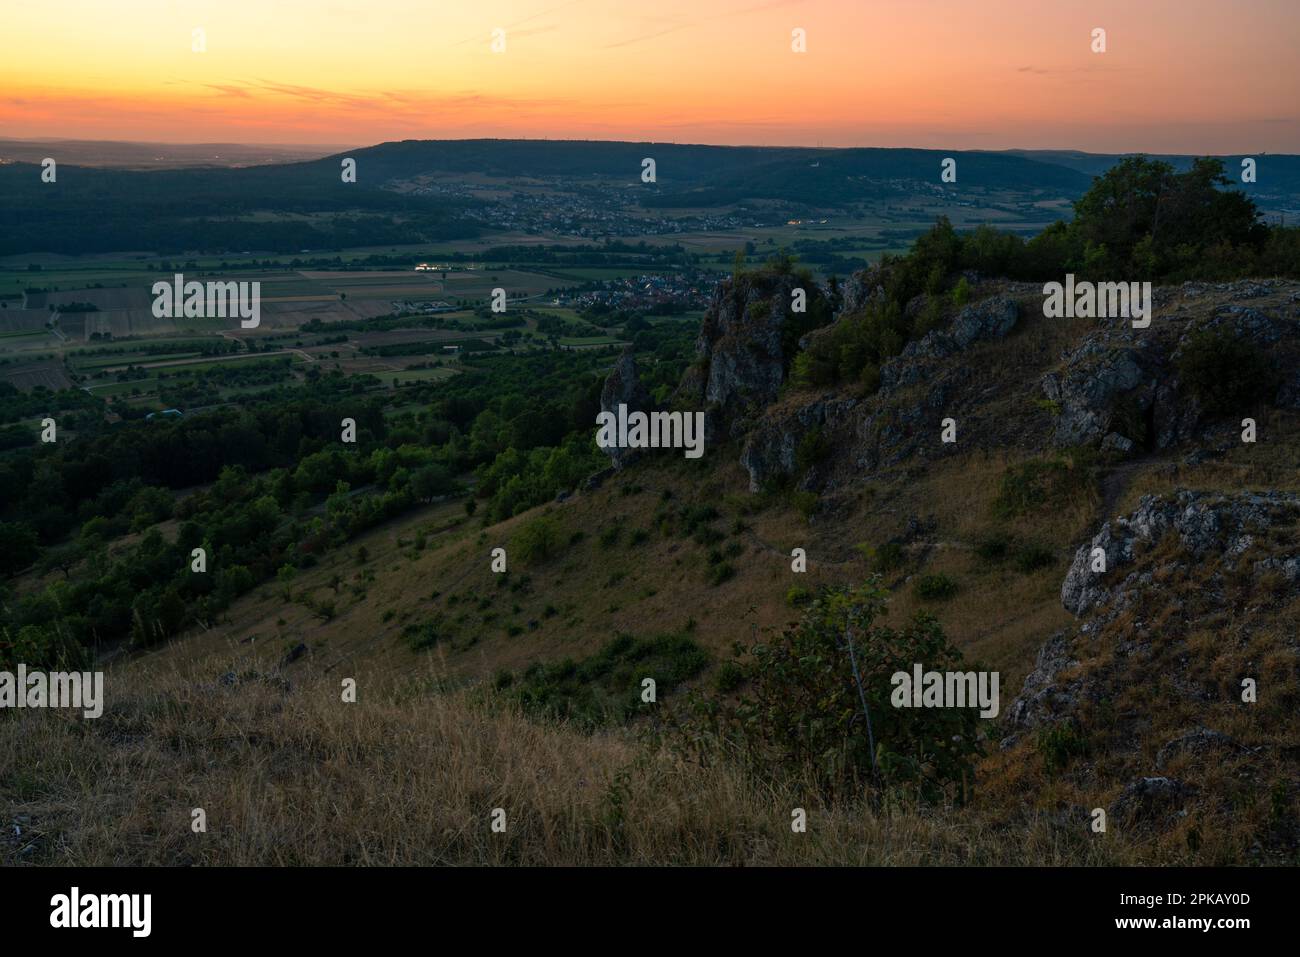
x=1187, y=626
x=1117, y=388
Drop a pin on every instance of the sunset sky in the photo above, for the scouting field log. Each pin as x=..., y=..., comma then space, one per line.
x=1202, y=76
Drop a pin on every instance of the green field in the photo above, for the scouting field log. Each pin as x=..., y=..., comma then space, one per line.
x=418, y=375
x=127, y=358
x=591, y=341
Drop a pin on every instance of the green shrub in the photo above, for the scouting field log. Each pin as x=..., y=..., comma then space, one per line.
x=797, y=595
x=729, y=677
x=719, y=573
x=805, y=504
x=606, y=687
x=884, y=559
x=1130, y=419
x=419, y=637
x=802, y=717
x=814, y=447
x=1228, y=374
x=931, y=317
x=935, y=587
x=536, y=541
x=1041, y=483
x=707, y=535
x=694, y=517
x=1059, y=743
x=993, y=547
x=1031, y=556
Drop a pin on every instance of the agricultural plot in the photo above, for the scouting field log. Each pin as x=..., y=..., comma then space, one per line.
x=125, y=359
x=406, y=376
x=23, y=320
x=588, y=342
x=478, y=284
x=581, y=274
x=28, y=376
x=370, y=340
x=164, y=365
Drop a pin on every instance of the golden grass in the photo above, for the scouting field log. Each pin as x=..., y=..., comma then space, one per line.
x=408, y=775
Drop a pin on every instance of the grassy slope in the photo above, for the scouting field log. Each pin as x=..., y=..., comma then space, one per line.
x=409, y=774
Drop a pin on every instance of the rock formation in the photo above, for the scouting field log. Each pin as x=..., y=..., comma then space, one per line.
x=623, y=387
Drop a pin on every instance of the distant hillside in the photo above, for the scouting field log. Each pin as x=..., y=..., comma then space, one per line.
x=1276, y=187
x=842, y=177
x=304, y=205
x=128, y=155
x=89, y=210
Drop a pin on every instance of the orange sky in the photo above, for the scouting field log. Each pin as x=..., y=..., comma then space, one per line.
x=1204, y=76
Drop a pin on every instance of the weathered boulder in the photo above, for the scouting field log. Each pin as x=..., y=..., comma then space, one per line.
x=1043, y=699
x=1149, y=801
x=989, y=319
x=1197, y=742
x=1226, y=528
x=1205, y=523
x=1094, y=380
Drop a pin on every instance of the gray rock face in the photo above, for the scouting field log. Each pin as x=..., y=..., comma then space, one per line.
x=1149, y=801
x=1288, y=568
x=1090, y=386
x=741, y=349
x=1043, y=700
x=864, y=287
x=622, y=387
x=1114, y=442
x=1223, y=527
x=1197, y=742
x=988, y=320
x=1205, y=523
x=894, y=424
x=1245, y=323
x=1123, y=381
x=899, y=429
x=772, y=448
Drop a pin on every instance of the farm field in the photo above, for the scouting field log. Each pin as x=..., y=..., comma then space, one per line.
x=87, y=323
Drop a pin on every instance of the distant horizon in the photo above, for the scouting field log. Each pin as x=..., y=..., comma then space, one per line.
x=326, y=149
x=1168, y=77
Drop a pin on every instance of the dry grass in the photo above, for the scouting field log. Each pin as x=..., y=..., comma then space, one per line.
x=408, y=775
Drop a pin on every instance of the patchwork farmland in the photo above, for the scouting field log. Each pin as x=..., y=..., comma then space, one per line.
x=88, y=323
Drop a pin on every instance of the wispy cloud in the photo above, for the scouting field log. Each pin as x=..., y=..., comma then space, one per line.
x=512, y=29
x=728, y=14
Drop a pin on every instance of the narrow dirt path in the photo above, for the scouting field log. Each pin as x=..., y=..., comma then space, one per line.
x=1115, y=483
